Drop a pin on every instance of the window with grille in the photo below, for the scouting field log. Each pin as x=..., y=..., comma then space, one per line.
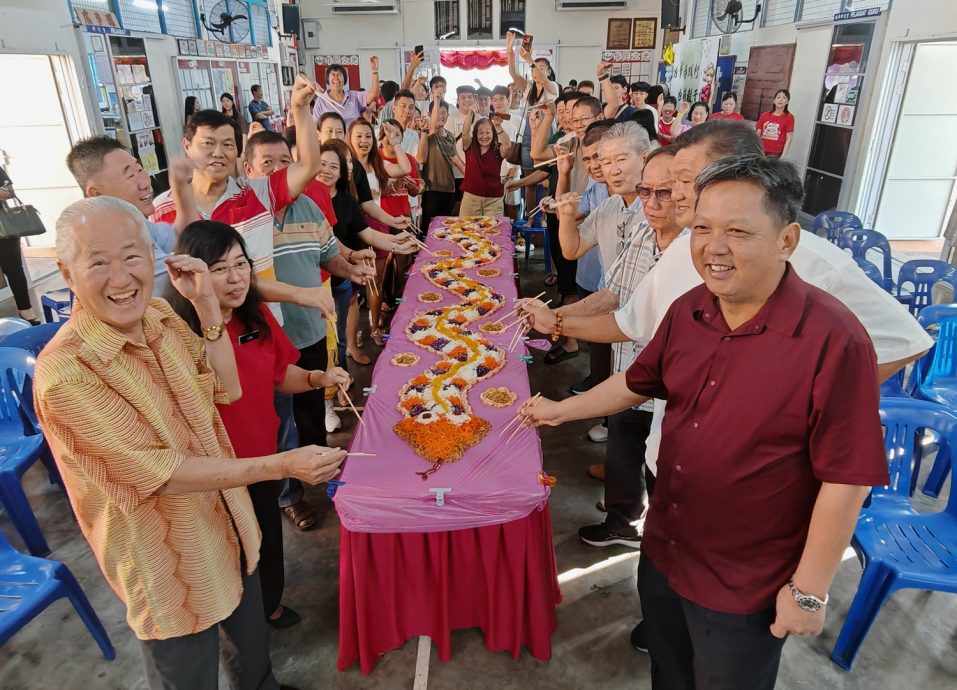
x=180, y=20
x=140, y=15
x=512, y=16
x=446, y=19
x=780, y=12
x=480, y=19
x=259, y=18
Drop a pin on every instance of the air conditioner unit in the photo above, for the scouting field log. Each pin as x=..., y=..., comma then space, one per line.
x=577, y=5
x=365, y=6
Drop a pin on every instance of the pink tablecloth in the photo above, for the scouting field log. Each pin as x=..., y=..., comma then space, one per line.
x=483, y=559
x=490, y=484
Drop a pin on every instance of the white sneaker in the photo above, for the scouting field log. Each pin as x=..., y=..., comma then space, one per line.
x=598, y=433
x=332, y=419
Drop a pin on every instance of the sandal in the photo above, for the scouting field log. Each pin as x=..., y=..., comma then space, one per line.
x=287, y=619
x=359, y=357
x=558, y=353
x=551, y=280
x=301, y=514
x=360, y=338
x=377, y=338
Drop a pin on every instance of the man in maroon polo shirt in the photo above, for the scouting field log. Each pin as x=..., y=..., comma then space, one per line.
x=770, y=440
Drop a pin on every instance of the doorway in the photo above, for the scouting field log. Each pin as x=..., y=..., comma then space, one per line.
x=919, y=190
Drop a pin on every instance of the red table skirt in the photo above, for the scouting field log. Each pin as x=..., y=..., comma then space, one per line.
x=394, y=586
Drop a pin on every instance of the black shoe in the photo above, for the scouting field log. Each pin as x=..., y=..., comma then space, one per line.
x=638, y=640
x=287, y=619
x=582, y=386
x=602, y=535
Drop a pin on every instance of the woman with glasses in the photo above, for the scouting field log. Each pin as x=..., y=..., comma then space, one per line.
x=265, y=360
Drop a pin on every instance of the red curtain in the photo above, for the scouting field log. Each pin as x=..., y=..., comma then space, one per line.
x=474, y=59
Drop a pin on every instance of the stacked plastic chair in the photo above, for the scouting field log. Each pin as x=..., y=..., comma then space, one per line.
x=859, y=242
x=920, y=276
x=832, y=224
x=899, y=547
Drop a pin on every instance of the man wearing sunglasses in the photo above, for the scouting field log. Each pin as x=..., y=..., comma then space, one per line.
x=637, y=246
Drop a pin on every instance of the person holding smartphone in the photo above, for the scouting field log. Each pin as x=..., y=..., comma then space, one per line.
x=338, y=99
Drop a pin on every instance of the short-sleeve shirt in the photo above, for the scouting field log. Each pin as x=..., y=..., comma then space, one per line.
x=302, y=244
x=773, y=130
x=256, y=107
x=350, y=109
x=438, y=168
x=721, y=116
x=262, y=361
x=611, y=226
x=895, y=333
x=398, y=204
x=350, y=221
x=120, y=418
x=757, y=418
x=589, y=272
x=249, y=206
x=483, y=172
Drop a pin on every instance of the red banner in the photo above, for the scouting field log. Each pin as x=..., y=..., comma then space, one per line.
x=474, y=59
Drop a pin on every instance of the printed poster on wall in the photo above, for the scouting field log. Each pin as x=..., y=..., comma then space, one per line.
x=634, y=65
x=695, y=70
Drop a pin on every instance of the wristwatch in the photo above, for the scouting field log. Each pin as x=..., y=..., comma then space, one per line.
x=808, y=602
x=212, y=333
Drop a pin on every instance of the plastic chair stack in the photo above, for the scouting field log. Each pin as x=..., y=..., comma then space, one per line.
x=831, y=224
x=21, y=445
x=859, y=242
x=528, y=229
x=899, y=547
x=57, y=303
x=28, y=585
x=922, y=275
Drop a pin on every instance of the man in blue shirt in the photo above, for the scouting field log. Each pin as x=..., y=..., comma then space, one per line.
x=259, y=110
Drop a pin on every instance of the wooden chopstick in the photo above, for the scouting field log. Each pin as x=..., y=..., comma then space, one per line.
x=512, y=310
x=518, y=414
x=361, y=455
x=349, y=400
x=555, y=159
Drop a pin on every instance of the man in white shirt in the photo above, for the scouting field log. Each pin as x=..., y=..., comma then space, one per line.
x=465, y=96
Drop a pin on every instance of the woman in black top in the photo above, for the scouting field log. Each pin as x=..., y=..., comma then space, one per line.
x=240, y=126
x=353, y=233
x=11, y=259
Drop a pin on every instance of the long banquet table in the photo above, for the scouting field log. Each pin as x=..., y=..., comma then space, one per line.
x=469, y=545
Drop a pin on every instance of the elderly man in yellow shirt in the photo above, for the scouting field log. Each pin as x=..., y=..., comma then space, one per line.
x=125, y=393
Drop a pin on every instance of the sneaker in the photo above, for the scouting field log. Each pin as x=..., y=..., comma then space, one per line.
x=602, y=535
x=332, y=419
x=598, y=433
x=581, y=387
x=638, y=639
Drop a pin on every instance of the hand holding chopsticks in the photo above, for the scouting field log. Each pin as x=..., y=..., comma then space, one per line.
x=344, y=394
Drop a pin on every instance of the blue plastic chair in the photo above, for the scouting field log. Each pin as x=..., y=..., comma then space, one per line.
x=58, y=303
x=923, y=275
x=12, y=324
x=21, y=445
x=522, y=227
x=859, y=242
x=871, y=271
x=32, y=339
x=899, y=547
x=830, y=224
x=28, y=585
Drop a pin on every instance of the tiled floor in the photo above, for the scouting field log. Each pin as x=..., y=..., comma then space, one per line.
x=912, y=646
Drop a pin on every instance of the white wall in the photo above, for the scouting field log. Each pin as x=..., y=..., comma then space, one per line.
x=580, y=35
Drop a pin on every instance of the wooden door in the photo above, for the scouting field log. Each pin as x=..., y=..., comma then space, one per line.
x=769, y=69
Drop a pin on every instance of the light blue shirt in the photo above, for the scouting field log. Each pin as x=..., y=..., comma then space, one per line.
x=164, y=237
x=590, y=272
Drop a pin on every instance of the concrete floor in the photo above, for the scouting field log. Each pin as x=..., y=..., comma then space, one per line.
x=913, y=644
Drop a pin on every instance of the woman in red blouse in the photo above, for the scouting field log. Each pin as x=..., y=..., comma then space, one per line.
x=728, y=105
x=265, y=359
x=486, y=145
x=776, y=127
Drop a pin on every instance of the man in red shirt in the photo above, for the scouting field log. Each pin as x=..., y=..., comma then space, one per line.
x=770, y=440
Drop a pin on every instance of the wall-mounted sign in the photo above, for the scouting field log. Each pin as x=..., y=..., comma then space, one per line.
x=858, y=14
x=619, y=34
x=645, y=33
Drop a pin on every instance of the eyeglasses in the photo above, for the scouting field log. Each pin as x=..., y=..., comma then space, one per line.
x=583, y=120
x=242, y=267
x=662, y=195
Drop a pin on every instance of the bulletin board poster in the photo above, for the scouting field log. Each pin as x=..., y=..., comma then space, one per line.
x=633, y=65
x=695, y=68
x=349, y=62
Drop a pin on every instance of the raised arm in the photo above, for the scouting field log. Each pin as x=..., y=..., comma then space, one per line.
x=607, y=90
x=541, y=125
x=373, y=92
x=467, y=129
x=504, y=143
x=402, y=166
x=417, y=59
x=190, y=276
x=180, y=180
x=521, y=82
x=302, y=172
x=573, y=246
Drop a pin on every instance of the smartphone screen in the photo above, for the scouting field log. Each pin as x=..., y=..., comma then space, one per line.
x=527, y=41
x=419, y=50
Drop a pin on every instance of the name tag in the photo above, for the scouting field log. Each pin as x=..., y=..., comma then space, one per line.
x=248, y=337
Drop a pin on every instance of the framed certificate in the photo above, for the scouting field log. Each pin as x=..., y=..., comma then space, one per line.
x=619, y=34
x=645, y=33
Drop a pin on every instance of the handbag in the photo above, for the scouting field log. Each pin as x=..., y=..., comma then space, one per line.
x=515, y=153
x=19, y=220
